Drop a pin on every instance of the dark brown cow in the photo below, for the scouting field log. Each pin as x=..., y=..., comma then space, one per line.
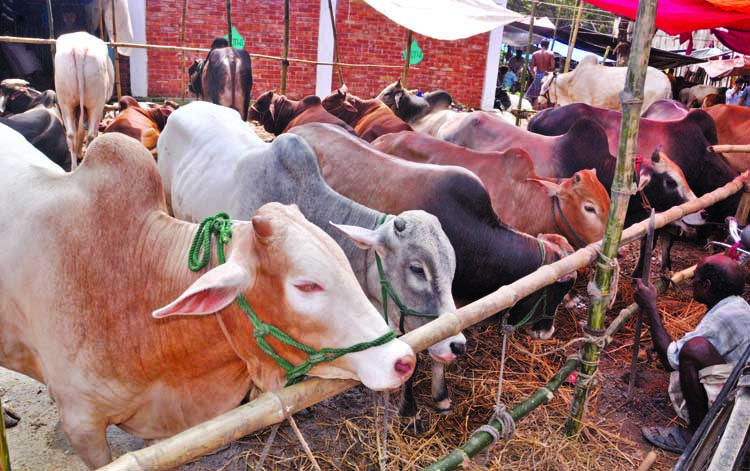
x=277, y=113
x=369, y=118
x=584, y=146
x=665, y=110
x=733, y=127
x=577, y=207
x=224, y=78
x=685, y=141
x=16, y=96
x=489, y=254
x=143, y=125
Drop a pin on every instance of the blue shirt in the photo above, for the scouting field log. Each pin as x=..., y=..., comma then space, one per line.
x=746, y=96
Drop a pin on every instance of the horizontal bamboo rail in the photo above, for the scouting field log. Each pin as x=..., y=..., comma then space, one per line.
x=274, y=407
x=729, y=149
x=11, y=39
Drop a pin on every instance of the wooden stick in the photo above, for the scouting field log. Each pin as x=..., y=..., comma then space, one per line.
x=526, y=64
x=274, y=407
x=743, y=208
x=729, y=148
x=229, y=22
x=285, y=61
x=183, y=85
x=51, y=33
x=573, y=36
x=408, y=59
x=335, y=43
x=101, y=20
x=4, y=451
x=118, y=85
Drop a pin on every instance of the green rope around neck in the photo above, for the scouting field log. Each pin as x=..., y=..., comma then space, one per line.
x=543, y=297
x=386, y=290
x=220, y=226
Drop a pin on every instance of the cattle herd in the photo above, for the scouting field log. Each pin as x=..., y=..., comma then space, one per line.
x=363, y=217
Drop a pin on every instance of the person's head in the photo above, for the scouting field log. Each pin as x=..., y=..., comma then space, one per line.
x=69, y=17
x=738, y=83
x=544, y=44
x=503, y=69
x=519, y=53
x=716, y=277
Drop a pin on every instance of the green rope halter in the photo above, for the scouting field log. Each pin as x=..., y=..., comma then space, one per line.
x=530, y=314
x=386, y=290
x=220, y=225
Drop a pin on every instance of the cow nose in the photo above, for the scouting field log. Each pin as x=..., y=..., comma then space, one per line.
x=458, y=349
x=404, y=366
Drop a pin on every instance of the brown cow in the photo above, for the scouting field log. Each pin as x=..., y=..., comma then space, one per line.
x=576, y=208
x=98, y=280
x=733, y=127
x=141, y=124
x=277, y=113
x=369, y=118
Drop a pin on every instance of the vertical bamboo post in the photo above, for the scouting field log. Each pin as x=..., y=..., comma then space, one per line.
x=51, y=32
x=285, y=60
x=557, y=22
x=118, y=85
x=573, y=36
x=335, y=43
x=101, y=20
x=229, y=22
x=631, y=99
x=182, y=53
x=744, y=207
x=408, y=59
x=4, y=451
x=526, y=64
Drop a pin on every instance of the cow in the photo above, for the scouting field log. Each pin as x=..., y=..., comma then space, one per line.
x=584, y=146
x=88, y=332
x=577, y=207
x=210, y=160
x=733, y=127
x=489, y=254
x=141, y=124
x=16, y=96
x=369, y=118
x=665, y=110
x=277, y=113
x=693, y=97
x=599, y=85
x=42, y=127
x=410, y=107
x=84, y=78
x=224, y=77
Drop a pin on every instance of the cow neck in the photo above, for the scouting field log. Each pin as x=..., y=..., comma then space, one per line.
x=565, y=229
x=219, y=226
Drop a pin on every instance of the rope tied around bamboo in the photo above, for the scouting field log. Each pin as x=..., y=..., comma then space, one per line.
x=605, y=263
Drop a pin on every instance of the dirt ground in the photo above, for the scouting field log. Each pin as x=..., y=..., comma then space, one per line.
x=342, y=431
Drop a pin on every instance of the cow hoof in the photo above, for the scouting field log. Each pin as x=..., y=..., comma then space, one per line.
x=412, y=426
x=444, y=407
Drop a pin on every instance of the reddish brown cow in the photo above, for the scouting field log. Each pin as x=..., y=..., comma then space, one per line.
x=277, y=113
x=370, y=118
x=143, y=125
x=733, y=127
x=576, y=208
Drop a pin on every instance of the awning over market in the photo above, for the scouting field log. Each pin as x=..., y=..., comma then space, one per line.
x=724, y=68
x=446, y=19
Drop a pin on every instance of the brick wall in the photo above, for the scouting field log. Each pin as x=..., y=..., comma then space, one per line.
x=364, y=36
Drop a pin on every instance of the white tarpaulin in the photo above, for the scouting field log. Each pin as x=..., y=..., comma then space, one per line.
x=122, y=17
x=446, y=19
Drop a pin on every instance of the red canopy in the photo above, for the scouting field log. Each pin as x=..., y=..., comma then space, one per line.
x=682, y=16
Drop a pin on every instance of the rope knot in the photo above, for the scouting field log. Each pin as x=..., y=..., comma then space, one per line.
x=261, y=330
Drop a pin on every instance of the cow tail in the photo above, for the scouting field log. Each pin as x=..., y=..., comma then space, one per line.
x=81, y=109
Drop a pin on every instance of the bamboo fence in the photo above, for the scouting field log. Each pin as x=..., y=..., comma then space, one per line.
x=274, y=407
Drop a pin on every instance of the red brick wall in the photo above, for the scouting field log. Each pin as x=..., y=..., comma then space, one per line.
x=364, y=36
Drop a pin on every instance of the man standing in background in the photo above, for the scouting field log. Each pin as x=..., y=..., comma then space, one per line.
x=542, y=62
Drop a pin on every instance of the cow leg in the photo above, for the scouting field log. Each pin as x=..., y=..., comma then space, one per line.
x=93, y=124
x=68, y=118
x=440, y=395
x=88, y=436
x=666, y=241
x=408, y=405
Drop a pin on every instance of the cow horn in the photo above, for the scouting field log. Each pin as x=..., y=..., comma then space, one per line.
x=399, y=224
x=262, y=226
x=656, y=155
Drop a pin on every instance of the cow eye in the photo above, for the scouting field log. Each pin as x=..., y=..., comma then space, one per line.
x=309, y=287
x=416, y=269
x=671, y=184
x=589, y=208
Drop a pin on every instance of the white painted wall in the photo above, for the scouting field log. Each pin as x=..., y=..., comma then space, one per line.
x=493, y=62
x=324, y=74
x=139, y=58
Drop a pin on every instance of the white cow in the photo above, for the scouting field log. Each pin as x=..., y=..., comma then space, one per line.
x=84, y=77
x=599, y=85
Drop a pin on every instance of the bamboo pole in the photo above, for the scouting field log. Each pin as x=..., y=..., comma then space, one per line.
x=526, y=64
x=557, y=22
x=335, y=42
x=631, y=99
x=118, y=85
x=51, y=33
x=408, y=59
x=267, y=409
x=573, y=36
x=183, y=85
x=229, y=22
x=481, y=440
x=285, y=61
x=729, y=149
x=101, y=20
x=4, y=451
x=743, y=208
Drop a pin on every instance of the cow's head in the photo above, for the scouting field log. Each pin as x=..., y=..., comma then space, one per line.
x=388, y=94
x=195, y=73
x=419, y=263
x=261, y=111
x=339, y=103
x=16, y=96
x=581, y=206
x=295, y=277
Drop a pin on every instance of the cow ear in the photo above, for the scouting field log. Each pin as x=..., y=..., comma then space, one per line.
x=644, y=176
x=363, y=238
x=210, y=293
x=343, y=90
x=553, y=189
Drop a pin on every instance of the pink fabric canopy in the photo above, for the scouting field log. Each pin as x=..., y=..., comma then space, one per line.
x=680, y=16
